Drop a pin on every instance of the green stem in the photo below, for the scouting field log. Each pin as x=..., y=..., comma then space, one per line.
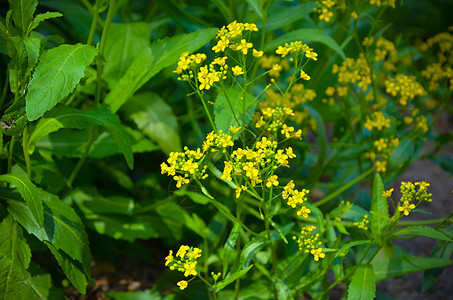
x=343, y=188
x=206, y=109
x=10, y=155
x=425, y=222
x=25, y=150
x=5, y=86
x=93, y=23
x=81, y=161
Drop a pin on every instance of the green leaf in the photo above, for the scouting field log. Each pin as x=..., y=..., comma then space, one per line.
x=402, y=153
x=67, y=117
x=15, y=257
x=345, y=248
x=257, y=7
x=283, y=291
x=230, y=279
x=148, y=63
x=223, y=116
x=62, y=227
x=363, y=284
x=15, y=118
x=29, y=193
x=103, y=205
x=27, y=51
x=137, y=295
x=58, y=72
x=289, y=15
x=71, y=268
x=398, y=266
x=379, y=220
x=229, y=246
x=23, y=11
x=125, y=41
x=154, y=118
x=443, y=250
x=306, y=35
x=41, y=284
x=42, y=17
x=423, y=231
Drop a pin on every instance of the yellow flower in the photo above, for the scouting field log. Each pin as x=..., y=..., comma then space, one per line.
x=272, y=181
x=406, y=208
x=244, y=46
x=234, y=129
x=221, y=44
x=276, y=67
x=381, y=166
x=182, y=251
x=317, y=254
x=304, y=75
x=239, y=189
x=380, y=144
x=388, y=193
x=237, y=70
x=304, y=211
x=257, y=53
x=182, y=284
x=354, y=15
x=180, y=180
x=169, y=258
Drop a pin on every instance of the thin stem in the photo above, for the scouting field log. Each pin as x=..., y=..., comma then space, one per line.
x=206, y=109
x=10, y=155
x=93, y=23
x=25, y=150
x=5, y=86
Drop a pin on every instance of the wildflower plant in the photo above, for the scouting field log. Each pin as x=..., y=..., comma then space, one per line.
x=276, y=127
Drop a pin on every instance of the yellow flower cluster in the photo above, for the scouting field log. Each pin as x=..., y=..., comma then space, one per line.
x=295, y=49
x=331, y=92
x=296, y=198
x=404, y=87
x=184, y=261
x=184, y=165
x=187, y=64
x=354, y=71
x=274, y=119
x=362, y=224
x=324, y=9
x=253, y=163
x=309, y=243
x=231, y=37
x=383, y=2
x=383, y=148
x=409, y=195
x=268, y=62
x=377, y=120
x=217, y=141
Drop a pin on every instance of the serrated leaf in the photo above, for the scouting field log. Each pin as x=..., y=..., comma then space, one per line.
x=154, y=118
x=125, y=41
x=29, y=193
x=71, y=268
x=363, y=284
x=378, y=220
x=23, y=11
x=306, y=35
x=223, y=116
x=403, y=152
x=229, y=246
x=42, y=17
x=62, y=227
x=398, y=266
x=15, y=257
x=67, y=117
x=41, y=284
x=230, y=279
x=58, y=72
x=289, y=15
x=423, y=231
x=159, y=55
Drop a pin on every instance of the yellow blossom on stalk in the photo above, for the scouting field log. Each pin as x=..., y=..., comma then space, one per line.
x=304, y=75
x=309, y=243
x=354, y=15
x=325, y=9
x=421, y=123
x=404, y=87
x=244, y=46
x=383, y=2
x=380, y=144
x=257, y=53
x=222, y=44
x=388, y=193
x=234, y=129
x=276, y=67
x=381, y=166
x=186, y=165
x=354, y=71
x=384, y=49
x=239, y=189
x=406, y=207
x=185, y=261
x=216, y=141
x=304, y=211
x=237, y=70
x=272, y=181
x=207, y=78
x=362, y=224
x=182, y=284
x=409, y=195
x=377, y=120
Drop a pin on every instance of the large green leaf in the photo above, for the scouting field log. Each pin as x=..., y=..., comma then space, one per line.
x=283, y=290
x=156, y=119
x=229, y=246
x=103, y=205
x=231, y=278
x=379, y=209
x=363, y=284
x=23, y=11
x=41, y=284
x=29, y=193
x=15, y=257
x=62, y=227
x=27, y=51
x=58, y=72
x=306, y=35
x=159, y=55
x=443, y=250
x=125, y=41
x=423, y=231
x=72, y=268
x=398, y=266
x=402, y=153
x=223, y=116
x=67, y=117
x=289, y=15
